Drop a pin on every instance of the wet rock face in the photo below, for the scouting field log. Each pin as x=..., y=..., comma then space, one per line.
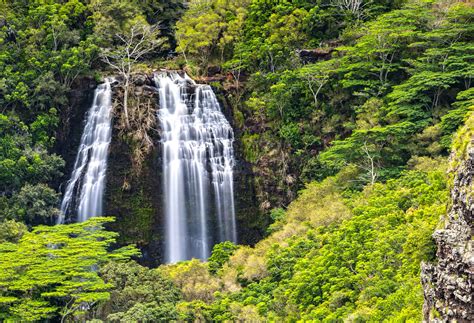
x=449, y=283
x=135, y=197
x=72, y=122
x=133, y=184
x=251, y=223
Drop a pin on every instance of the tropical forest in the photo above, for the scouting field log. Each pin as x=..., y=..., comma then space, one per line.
x=236, y=161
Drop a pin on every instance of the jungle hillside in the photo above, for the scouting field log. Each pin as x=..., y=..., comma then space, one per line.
x=340, y=133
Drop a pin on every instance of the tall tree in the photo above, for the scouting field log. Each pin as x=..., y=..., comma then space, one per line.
x=52, y=271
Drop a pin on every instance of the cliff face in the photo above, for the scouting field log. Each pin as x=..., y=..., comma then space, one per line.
x=133, y=188
x=134, y=192
x=72, y=122
x=274, y=169
x=449, y=283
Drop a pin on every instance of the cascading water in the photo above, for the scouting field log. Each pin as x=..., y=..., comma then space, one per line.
x=197, y=168
x=84, y=191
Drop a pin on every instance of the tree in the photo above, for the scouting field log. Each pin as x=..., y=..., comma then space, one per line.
x=369, y=66
x=210, y=29
x=317, y=76
x=12, y=231
x=199, y=31
x=138, y=294
x=193, y=279
x=22, y=161
x=132, y=46
x=35, y=204
x=370, y=165
x=355, y=7
x=220, y=254
x=52, y=270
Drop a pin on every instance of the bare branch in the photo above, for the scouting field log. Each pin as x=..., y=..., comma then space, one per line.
x=139, y=41
x=354, y=6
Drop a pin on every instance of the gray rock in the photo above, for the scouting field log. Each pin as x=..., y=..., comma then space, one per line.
x=140, y=79
x=448, y=284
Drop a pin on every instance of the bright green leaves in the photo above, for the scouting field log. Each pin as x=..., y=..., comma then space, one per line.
x=208, y=29
x=41, y=127
x=339, y=254
x=374, y=253
x=33, y=204
x=412, y=68
x=454, y=118
x=379, y=99
x=261, y=35
x=12, y=231
x=54, y=268
x=49, y=51
x=31, y=310
x=18, y=94
x=381, y=145
x=220, y=254
x=445, y=64
x=370, y=65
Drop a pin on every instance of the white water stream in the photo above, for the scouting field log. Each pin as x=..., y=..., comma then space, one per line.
x=197, y=168
x=84, y=191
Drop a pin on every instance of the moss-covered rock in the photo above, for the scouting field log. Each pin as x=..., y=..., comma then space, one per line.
x=133, y=180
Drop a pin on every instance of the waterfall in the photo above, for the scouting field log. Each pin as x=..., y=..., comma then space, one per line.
x=84, y=191
x=197, y=168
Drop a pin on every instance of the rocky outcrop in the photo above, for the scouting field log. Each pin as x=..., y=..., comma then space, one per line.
x=133, y=182
x=313, y=55
x=449, y=283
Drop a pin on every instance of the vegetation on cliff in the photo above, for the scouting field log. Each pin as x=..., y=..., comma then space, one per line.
x=345, y=109
x=383, y=91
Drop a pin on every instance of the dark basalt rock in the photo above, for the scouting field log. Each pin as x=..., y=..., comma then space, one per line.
x=140, y=79
x=213, y=70
x=136, y=198
x=314, y=55
x=449, y=283
x=72, y=121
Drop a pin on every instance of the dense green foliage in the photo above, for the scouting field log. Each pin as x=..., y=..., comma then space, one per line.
x=50, y=271
x=62, y=272
x=220, y=254
x=349, y=105
x=368, y=113
x=45, y=49
x=139, y=294
x=378, y=92
x=357, y=255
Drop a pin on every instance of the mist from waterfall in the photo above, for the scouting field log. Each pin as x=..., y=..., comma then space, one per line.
x=198, y=162
x=84, y=191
